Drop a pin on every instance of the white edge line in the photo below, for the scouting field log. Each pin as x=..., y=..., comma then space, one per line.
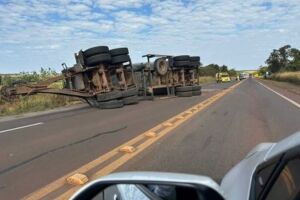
x=17, y=128
x=290, y=100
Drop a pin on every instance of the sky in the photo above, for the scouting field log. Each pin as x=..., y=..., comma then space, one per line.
x=238, y=33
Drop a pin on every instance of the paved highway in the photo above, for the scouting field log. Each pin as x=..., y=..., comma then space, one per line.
x=38, y=150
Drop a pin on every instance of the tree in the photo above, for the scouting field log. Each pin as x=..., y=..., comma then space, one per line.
x=209, y=70
x=274, y=63
x=284, y=59
x=232, y=72
x=224, y=68
x=294, y=62
x=262, y=70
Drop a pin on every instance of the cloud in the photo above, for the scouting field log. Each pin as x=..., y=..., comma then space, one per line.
x=237, y=33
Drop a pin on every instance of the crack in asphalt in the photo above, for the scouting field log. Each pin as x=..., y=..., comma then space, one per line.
x=59, y=148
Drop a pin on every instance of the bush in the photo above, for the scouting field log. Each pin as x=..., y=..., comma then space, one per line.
x=37, y=102
x=292, y=77
x=34, y=103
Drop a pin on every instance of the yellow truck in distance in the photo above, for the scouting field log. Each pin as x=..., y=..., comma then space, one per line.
x=222, y=77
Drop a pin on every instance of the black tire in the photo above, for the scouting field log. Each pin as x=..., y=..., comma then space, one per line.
x=196, y=87
x=181, y=58
x=109, y=96
x=161, y=66
x=146, y=98
x=181, y=64
x=195, y=58
x=98, y=59
x=197, y=93
x=184, y=88
x=111, y=104
x=184, y=94
x=120, y=59
x=129, y=92
x=95, y=50
x=118, y=51
x=194, y=64
x=92, y=102
x=130, y=100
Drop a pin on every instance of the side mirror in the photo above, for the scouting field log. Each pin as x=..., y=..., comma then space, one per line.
x=150, y=185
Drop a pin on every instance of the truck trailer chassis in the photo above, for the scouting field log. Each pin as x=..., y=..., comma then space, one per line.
x=107, y=78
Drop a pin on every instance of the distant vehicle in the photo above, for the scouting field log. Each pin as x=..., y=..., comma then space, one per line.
x=267, y=75
x=244, y=76
x=222, y=77
x=270, y=171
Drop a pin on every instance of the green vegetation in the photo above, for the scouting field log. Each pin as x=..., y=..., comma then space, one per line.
x=284, y=64
x=212, y=69
x=27, y=77
x=292, y=77
x=284, y=59
x=39, y=102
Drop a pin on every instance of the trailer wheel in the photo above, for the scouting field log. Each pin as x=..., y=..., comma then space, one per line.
x=181, y=58
x=184, y=63
x=194, y=64
x=119, y=51
x=184, y=89
x=111, y=104
x=161, y=66
x=184, y=94
x=109, y=96
x=95, y=50
x=98, y=59
x=197, y=93
x=92, y=102
x=130, y=100
x=129, y=92
x=196, y=87
x=195, y=58
x=120, y=59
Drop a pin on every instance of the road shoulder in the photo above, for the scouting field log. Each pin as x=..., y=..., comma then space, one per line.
x=288, y=90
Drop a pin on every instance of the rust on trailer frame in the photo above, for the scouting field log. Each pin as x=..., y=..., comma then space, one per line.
x=82, y=80
x=152, y=79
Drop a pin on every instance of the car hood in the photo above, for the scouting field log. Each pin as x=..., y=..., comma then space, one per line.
x=237, y=182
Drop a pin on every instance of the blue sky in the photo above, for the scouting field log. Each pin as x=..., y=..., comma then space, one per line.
x=237, y=33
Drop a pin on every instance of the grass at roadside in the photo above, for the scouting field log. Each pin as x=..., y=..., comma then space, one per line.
x=34, y=103
x=207, y=79
x=291, y=77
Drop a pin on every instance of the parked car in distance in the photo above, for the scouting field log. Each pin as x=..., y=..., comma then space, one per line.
x=243, y=76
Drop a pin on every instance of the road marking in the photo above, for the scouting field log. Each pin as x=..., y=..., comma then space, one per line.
x=21, y=127
x=160, y=131
x=290, y=100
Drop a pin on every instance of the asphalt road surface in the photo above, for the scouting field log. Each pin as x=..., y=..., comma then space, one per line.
x=37, y=150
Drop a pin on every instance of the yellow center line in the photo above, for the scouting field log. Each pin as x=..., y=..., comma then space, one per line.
x=184, y=116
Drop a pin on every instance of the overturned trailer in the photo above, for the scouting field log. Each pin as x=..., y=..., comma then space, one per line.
x=102, y=77
x=107, y=78
x=168, y=75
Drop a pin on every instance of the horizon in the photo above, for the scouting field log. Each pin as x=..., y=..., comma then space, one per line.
x=36, y=34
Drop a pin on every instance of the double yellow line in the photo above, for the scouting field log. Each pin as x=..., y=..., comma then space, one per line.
x=137, y=145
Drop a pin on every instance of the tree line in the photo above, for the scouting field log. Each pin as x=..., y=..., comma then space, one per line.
x=212, y=69
x=28, y=77
x=283, y=59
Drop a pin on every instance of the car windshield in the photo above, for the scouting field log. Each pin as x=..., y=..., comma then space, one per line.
x=89, y=88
